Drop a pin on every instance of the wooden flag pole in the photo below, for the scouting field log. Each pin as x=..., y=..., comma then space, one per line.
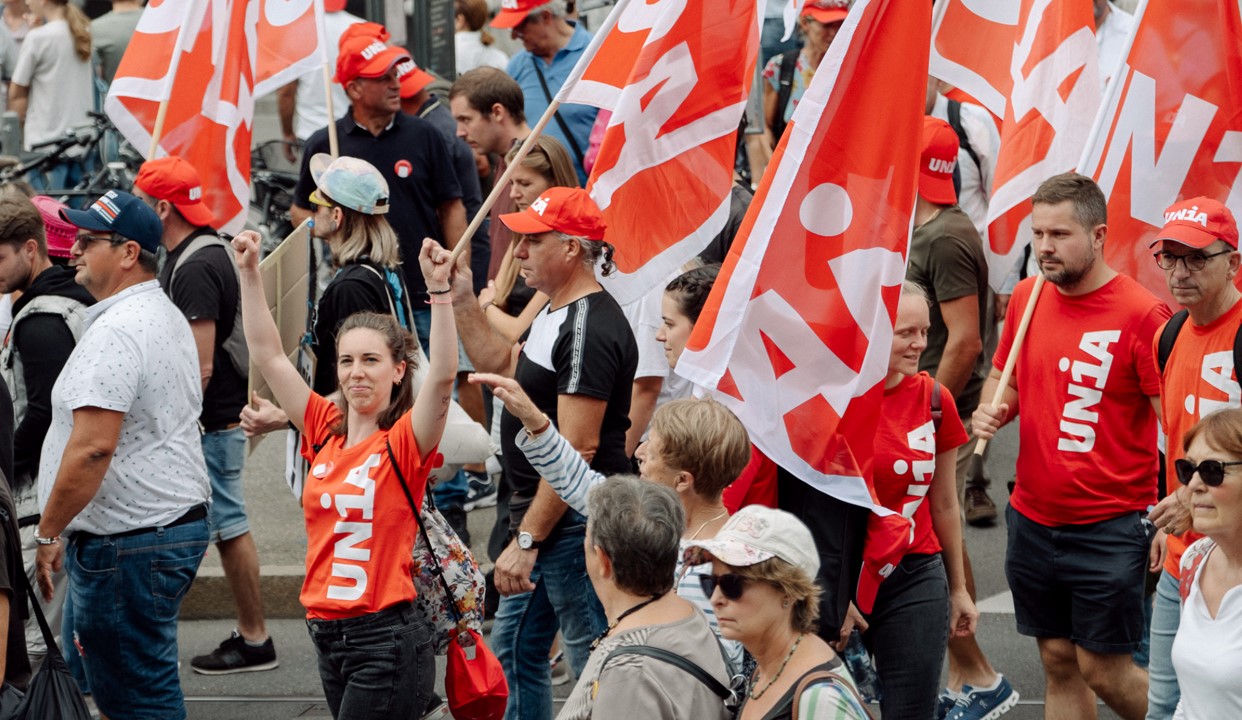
x=499, y=186
x=333, y=147
x=1010, y=362
x=158, y=130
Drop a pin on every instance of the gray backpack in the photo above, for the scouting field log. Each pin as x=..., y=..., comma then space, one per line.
x=235, y=344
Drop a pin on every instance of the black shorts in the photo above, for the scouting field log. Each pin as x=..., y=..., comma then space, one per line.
x=1081, y=582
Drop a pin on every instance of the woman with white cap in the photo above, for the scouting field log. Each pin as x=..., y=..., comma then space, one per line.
x=762, y=587
x=351, y=199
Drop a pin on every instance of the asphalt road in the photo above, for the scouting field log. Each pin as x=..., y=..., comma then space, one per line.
x=293, y=691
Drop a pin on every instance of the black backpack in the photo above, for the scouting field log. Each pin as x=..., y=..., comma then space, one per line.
x=1169, y=336
x=784, y=91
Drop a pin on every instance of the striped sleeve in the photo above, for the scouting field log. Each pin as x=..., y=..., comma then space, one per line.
x=829, y=700
x=554, y=458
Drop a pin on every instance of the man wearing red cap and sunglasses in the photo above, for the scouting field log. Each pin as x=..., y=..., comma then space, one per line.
x=1195, y=351
x=577, y=364
x=426, y=199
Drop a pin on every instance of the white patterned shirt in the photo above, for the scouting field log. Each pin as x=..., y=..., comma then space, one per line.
x=137, y=356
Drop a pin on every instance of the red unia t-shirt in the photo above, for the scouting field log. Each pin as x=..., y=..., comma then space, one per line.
x=906, y=446
x=1087, y=428
x=1198, y=379
x=359, y=527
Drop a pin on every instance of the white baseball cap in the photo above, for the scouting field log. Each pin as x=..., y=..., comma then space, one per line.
x=757, y=533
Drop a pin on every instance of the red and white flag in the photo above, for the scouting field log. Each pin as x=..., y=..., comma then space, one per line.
x=1033, y=63
x=676, y=75
x=210, y=59
x=796, y=334
x=1169, y=130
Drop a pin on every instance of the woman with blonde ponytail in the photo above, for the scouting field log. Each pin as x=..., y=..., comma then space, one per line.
x=52, y=88
x=474, y=43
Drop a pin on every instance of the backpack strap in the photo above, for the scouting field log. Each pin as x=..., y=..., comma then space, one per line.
x=963, y=141
x=832, y=678
x=560, y=121
x=784, y=90
x=1169, y=336
x=717, y=687
x=234, y=345
x=937, y=412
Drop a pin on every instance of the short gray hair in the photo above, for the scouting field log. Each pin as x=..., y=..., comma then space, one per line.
x=639, y=525
x=592, y=251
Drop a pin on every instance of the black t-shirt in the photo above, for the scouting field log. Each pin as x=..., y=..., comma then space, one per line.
x=584, y=348
x=411, y=156
x=353, y=289
x=206, y=289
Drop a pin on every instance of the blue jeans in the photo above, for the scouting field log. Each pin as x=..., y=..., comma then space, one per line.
x=526, y=624
x=422, y=326
x=379, y=665
x=909, y=629
x=126, y=594
x=225, y=453
x=1162, y=689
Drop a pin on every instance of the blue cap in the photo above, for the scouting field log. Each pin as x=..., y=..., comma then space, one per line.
x=121, y=213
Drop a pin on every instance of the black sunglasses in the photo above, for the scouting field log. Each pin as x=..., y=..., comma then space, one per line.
x=731, y=586
x=1212, y=472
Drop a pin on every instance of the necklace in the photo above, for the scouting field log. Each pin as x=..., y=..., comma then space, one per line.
x=709, y=522
x=623, y=616
x=754, y=680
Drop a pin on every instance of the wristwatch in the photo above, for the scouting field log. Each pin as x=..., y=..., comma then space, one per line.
x=526, y=541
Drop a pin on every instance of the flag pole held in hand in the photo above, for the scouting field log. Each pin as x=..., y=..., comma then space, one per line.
x=1010, y=362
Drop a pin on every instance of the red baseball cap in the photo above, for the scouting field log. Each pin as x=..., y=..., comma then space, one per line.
x=826, y=11
x=175, y=180
x=513, y=12
x=1199, y=222
x=938, y=161
x=413, y=78
x=366, y=57
x=371, y=30
x=560, y=209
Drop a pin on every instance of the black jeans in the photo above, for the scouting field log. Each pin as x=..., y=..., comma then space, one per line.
x=378, y=666
x=909, y=627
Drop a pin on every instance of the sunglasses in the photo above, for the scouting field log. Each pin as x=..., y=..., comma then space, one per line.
x=1211, y=472
x=731, y=586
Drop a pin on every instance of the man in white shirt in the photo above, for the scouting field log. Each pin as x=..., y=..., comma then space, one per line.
x=122, y=476
x=303, y=104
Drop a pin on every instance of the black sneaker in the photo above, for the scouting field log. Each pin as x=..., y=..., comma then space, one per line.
x=481, y=493
x=234, y=656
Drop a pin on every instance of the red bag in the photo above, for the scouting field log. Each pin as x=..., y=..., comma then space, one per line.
x=475, y=683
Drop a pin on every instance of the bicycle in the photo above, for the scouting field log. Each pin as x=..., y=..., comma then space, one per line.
x=271, y=193
x=80, y=144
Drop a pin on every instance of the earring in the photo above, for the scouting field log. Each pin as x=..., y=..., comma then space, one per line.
x=785, y=604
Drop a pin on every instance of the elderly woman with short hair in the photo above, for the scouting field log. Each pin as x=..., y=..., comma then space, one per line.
x=762, y=586
x=632, y=547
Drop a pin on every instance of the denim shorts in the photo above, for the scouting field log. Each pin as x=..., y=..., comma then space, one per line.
x=225, y=453
x=126, y=592
x=380, y=665
x=1080, y=582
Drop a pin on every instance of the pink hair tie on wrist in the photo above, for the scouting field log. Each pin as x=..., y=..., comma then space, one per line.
x=433, y=300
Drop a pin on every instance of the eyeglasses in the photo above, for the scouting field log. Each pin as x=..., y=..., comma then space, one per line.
x=85, y=240
x=731, y=585
x=1211, y=472
x=1194, y=262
